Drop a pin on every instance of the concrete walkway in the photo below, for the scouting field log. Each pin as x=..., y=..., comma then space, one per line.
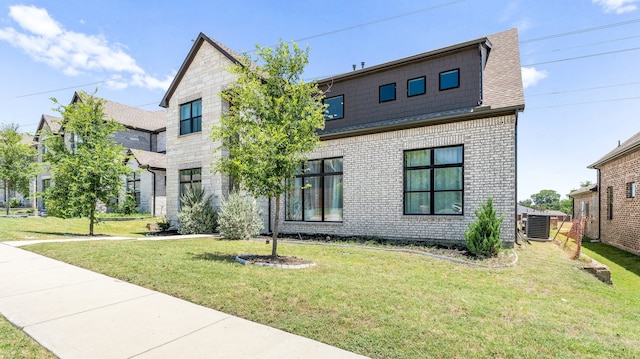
x=76, y=313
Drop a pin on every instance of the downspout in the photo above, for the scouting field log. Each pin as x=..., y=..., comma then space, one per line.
x=515, y=161
x=153, y=190
x=599, y=188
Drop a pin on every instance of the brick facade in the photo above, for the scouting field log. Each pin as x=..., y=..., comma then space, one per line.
x=373, y=181
x=622, y=229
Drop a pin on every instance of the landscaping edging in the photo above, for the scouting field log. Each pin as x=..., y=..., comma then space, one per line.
x=414, y=251
x=239, y=259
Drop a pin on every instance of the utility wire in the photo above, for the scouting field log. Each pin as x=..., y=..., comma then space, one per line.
x=73, y=87
x=583, y=89
x=584, y=45
x=586, y=103
x=581, y=31
x=582, y=57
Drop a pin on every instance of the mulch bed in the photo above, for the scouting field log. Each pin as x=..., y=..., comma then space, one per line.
x=283, y=260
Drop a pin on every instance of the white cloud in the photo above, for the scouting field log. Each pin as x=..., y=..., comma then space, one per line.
x=47, y=41
x=617, y=6
x=531, y=76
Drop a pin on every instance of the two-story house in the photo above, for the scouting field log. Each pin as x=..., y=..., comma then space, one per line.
x=143, y=135
x=409, y=150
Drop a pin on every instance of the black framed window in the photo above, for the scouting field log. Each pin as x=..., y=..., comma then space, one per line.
x=335, y=108
x=609, y=203
x=133, y=186
x=449, y=79
x=387, y=92
x=631, y=190
x=316, y=195
x=417, y=86
x=433, y=181
x=191, y=117
x=191, y=177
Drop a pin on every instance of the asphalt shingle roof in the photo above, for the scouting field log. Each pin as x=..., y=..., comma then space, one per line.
x=150, y=159
x=629, y=145
x=134, y=117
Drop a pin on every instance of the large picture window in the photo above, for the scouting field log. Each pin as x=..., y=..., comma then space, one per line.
x=191, y=117
x=317, y=192
x=433, y=181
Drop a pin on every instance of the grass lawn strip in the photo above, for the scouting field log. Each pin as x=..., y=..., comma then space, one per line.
x=14, y=343
x=31, y=228
x=388, y=304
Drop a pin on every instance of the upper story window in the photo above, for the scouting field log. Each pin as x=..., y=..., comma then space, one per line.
x=191, y=117
x=433, y=181
x=450, y=79
x=417, y=86
x=335, y=108
x=387, y=92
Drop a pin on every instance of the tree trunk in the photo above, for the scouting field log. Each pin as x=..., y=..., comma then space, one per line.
x=276, y=218
x=7, y=203
x=92, y=219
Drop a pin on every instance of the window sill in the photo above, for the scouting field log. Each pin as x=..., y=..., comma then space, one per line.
x=314, y=223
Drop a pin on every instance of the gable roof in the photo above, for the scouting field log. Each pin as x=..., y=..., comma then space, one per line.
x=147, y=159
x=132, y=117
x=627, y=146
x=586, y=189
x=233, y=56
x=54, y=123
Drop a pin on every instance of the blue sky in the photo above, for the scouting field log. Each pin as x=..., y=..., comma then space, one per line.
x=581, y=88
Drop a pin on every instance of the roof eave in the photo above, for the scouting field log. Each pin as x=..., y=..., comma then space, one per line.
x=609, y=158
x=425, y=122
x=403, y=61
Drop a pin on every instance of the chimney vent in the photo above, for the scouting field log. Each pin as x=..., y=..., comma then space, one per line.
x=362, y=64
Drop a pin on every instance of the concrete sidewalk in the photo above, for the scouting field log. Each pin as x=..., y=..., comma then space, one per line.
x=76, y=313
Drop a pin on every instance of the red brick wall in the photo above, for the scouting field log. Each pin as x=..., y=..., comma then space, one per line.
x=623, y=230
x=590, y=198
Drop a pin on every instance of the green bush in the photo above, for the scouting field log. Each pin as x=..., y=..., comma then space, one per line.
x=240, y=218
x=164, y=224
x=128, y=206
x=14, y=202
x=197, y=215
x=483, y=235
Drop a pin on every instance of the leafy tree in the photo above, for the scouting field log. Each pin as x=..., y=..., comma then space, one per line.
x=566, y=206
x=585, y=183
x=527, y=203
x=17, y=161
x=271, y=123
x=483, y=235
x=90, y=169
x=546, y=199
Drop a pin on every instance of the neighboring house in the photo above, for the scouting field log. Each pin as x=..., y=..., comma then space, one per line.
x=144, y=131
x=147, y=181
x=25, y=200
x=409, y=150
x=585, y=203
x=48, y=125
x=619, y=205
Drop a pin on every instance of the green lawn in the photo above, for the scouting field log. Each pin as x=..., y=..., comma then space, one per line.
x=51, y=227
x=390, y=305
x=15, y=344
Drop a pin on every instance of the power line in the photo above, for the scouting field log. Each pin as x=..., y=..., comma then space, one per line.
x=584, y=45
x=73, y=87
x=582, y=57
x=581, y=31
x=583, y=89
x=379, y=21
x=586, y=103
